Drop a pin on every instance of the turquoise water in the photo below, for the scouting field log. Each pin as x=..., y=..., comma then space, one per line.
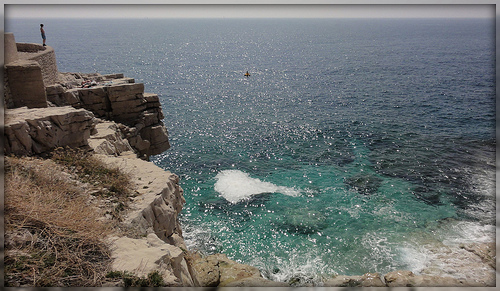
x=353, y=144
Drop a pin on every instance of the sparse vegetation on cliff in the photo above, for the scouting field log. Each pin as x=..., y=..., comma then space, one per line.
x=54, y=226
x=109, y=183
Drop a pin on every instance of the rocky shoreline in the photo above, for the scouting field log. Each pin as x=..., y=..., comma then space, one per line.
x=114, y=118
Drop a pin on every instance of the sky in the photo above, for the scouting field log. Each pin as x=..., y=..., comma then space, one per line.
x=236, y=10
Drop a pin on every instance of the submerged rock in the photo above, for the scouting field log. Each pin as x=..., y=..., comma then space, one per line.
x=305, y=222
x=366, y=184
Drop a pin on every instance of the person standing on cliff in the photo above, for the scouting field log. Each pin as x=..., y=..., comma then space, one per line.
x=43, y=34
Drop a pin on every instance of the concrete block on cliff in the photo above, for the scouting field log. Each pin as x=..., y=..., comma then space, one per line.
x=26, y=84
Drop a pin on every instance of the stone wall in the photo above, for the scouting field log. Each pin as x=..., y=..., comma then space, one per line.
x=45, y=56
x=10, y=48
x=24, y=85
x=28, y=69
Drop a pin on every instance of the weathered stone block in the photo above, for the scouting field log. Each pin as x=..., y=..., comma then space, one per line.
x=26, y=84
x=409, y=279
x=138, y=143
x=158, y=137
x=135, y=105
x=150, y=119
x=125, y=92
x=92, y=95
x=112, y=76
x=367, y=280
x=143, y=256
x=40, y=130
x=150, y=97
x=109, y=140
x=54, y=89
x=71, y=97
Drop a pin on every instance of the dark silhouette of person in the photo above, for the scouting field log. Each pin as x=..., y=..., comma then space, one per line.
x=43, y=34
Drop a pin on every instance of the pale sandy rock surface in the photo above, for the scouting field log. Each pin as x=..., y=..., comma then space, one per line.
x=366, y=280
x=159, y=200
x=143, y=256
x=108, y=139
x=472, y=263
x=219, y=271
x=153, y=213
x=408, y=278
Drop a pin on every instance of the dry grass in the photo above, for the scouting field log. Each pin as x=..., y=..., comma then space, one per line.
x=112, y=184
x=54, y=236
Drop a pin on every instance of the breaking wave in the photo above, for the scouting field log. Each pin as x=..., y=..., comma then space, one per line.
x=235, y=185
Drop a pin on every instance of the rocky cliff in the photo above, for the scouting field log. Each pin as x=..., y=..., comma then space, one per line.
x=137, y=117
x=112, y=116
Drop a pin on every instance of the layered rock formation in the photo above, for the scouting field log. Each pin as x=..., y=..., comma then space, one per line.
x=40, y=130
x=116, y=98
x=114, y=105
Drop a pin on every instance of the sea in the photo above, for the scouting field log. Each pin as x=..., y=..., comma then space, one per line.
x=354, y=146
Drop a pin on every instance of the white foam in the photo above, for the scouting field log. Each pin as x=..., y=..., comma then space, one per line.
x=469, y=232
x=303, y=268
x=235, y=185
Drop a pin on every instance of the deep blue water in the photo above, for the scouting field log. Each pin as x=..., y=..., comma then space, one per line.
x=353, y=147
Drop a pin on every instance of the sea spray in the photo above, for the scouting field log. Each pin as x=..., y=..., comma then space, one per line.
x=235, y=185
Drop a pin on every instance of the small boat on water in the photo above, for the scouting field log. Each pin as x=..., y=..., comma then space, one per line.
x=247, y=74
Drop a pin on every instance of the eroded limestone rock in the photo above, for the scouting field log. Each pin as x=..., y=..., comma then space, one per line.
x=143, y=256
x=485, y=251
x=159, y=201
x=41, y=130
x=108, y=139
x=153, y=213
x=409, y=279
x=219, y=271
x=118, y=99
x=367, y=280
